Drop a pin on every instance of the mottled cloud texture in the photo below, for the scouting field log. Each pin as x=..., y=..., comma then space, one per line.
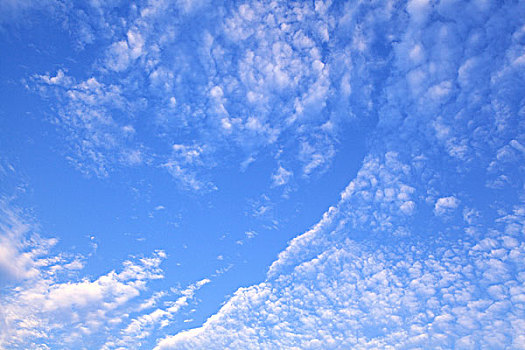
x=425, y=246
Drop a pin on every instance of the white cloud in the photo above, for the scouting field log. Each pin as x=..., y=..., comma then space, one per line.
x=281, y=176
x=352, y=281
x=16, y=256
x=250, y=234
x=98, y=141
x=186, y=164
x=384, y=295
x=44, y=299
x=278, y=83
x=378, y=269
x=141, y=327
x=446, y=205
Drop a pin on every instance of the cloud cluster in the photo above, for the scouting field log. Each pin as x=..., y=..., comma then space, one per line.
x=188, y=161
x=96, y=119
x=49, y=300
x=367, y=296
x=45, y=299
x=394, y=263
x=242, y=80
x=16, y=255
x=141, y=327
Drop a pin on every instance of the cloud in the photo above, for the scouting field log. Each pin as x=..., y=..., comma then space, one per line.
x=236, y=91
x=98, y=140
x=141, y=327
x=250, y=234
x=186, y=163
x=121, y=54
x=250, y=78
x=379, y=269
x=446, y=205
x=441, y=85
x=12, y=11
x=47, y=302
x=281, y=176
x=412, y=295
x=44, y=299
x=16, y=256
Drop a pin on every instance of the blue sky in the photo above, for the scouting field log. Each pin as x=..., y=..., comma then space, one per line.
x=262, y=174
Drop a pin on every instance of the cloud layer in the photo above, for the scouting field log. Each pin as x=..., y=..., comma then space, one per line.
x=48, y=300
x=409, y=257
x=425, y=247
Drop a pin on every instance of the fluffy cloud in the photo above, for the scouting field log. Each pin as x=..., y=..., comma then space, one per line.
x=16, y=258
x=372, y=295
x=45, y=301
x=441, y=84
x=379, y=269
x=281, y=176
x=446, y=205
x=141, y=327
x=248, y=79
x=186, y=162
x=99, y=139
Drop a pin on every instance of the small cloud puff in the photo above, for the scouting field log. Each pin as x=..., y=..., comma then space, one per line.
x=250, y=234
x=281, y=177
x=446, y=205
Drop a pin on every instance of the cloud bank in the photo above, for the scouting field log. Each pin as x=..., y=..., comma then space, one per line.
x=425, y=246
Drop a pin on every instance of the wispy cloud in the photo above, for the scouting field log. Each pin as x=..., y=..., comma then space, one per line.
x=278, y=87
x=99, y=140
x=44, y=295
x=446, y=205
x=140, y=328
x=281, y=176
x=454, y=294
x=441, y=85
x=379, y=268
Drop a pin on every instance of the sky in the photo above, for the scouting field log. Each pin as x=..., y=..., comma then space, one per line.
x=262, y=174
